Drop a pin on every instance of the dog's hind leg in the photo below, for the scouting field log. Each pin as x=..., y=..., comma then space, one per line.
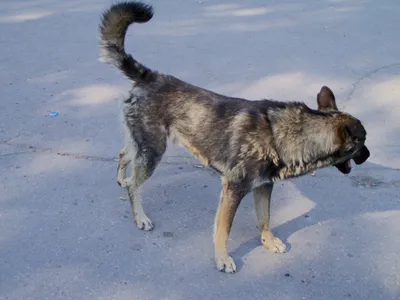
x=123, y=162
x=262, y=203
x=143, y=165
x=231, y=196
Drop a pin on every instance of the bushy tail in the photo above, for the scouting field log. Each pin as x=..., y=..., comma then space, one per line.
x=114, y=24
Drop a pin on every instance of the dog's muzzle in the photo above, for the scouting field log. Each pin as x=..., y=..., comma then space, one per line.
x=359, y=158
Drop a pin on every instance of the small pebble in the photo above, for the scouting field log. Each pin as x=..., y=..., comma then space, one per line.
x=136, y=247
x=168, y=234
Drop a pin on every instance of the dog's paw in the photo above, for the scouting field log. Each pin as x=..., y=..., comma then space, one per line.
x=226, y=264
x=274, y=245
x=143, y=222
x=124, y=182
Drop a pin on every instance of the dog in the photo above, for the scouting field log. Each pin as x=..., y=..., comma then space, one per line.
x=251, y=144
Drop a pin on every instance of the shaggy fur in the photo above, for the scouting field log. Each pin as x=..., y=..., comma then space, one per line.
x=251, y=144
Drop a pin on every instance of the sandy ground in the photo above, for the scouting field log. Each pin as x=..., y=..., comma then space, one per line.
x=65, y=233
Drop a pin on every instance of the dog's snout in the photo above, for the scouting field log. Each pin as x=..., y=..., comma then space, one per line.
x=359, y=140
x=357, y=132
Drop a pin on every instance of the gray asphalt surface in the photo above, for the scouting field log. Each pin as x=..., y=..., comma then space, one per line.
x=66, y=231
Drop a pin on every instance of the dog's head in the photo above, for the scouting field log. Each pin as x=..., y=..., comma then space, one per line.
x=351, y=134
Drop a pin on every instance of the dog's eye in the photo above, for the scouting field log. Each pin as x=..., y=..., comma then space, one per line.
x=359, y=139
x=356, y=133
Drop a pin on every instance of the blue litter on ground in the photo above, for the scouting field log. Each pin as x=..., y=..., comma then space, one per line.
x=53, y=113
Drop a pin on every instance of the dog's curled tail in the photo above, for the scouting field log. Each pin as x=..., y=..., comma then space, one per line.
x=114, y=24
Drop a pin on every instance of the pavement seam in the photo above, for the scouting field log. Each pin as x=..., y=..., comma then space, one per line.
x=366, y=75
x=33, y=149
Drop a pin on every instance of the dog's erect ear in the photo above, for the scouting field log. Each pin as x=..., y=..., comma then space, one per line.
x=326, y=100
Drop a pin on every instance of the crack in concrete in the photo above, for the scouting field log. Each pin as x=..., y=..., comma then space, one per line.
x=33, y=149
x=366, y=75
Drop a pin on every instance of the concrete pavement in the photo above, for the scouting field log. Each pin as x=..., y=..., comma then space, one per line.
x=66, y=231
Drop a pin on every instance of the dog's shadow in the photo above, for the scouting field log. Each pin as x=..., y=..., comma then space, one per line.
x=334, y=198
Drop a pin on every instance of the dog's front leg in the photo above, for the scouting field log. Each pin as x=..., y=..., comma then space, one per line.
x=262, y=203
x=231, y=196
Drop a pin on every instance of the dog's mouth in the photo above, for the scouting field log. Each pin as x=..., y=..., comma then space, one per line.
x=359, y=158
x=344, y=167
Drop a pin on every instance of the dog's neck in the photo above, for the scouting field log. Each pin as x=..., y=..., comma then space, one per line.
x=295, y=170
x=298, y=128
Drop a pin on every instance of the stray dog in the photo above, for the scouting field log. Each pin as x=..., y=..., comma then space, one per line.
x=252, y=144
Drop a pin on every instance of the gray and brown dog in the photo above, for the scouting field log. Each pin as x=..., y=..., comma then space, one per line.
x=251, y=144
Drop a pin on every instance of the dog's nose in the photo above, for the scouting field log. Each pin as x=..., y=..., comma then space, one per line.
x=361, y=156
